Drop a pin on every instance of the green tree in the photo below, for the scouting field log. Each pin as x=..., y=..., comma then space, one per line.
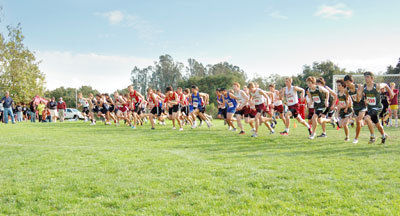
x=320, y=69
x=19, y=69
x=140, y=78
x=166, y=72
x=196, y=68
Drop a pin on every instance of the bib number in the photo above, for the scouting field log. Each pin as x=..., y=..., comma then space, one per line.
x=316, y=99
x=195, y=104
x=230, y=104
x=342, y=103
x=371, y=101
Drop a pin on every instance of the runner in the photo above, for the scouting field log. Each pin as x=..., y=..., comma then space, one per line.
x=277, y=105
x=371, y=94
x=359, y=106
x=221, y=105
x=344, y=107
x=292, y=101
x=329, y=113
x=241, y=107
x=230, y=101
x=257, y=97
x=384, y=115
x=122, y=109
x=83, y=102
x=320, y=97
x=93, y=108
x=136, y=99
x=197, y=105
x=154, y=105
x=172, y=104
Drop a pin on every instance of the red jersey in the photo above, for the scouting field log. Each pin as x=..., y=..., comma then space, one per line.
x=395, y=99
x=174, y=97
x=135, y=97
x=153, y=102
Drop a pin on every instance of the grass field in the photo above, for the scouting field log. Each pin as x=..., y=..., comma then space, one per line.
x=74, y=168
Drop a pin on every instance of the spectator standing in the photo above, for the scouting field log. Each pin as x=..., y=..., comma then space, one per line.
x=61, y=107
x=18, y=110
x=394, y=104
x=24, y=112
x=40, y=109
x=32, y=110
x=52, y=105
x=7, y=104
x=1, y=112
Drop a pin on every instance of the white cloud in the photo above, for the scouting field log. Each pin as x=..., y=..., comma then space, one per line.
x=103, y=72
x=114, y=17
x=143, y=27
x=337, y=11
x=278, y=15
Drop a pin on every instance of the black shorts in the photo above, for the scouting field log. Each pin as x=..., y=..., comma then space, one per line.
x=310, y=113
x=328, y=112
x=111, y=108
x=95, y=109
x=104, y=110
x=385, y=111
x=374, y=113
x=138, y=109
x=357, y=111
x=156, y=111
x=185, y=110
x=240, y=112
x=319, y=112
x=85, y=110
x=344, y=115
x=174, y=109
x=201, y=109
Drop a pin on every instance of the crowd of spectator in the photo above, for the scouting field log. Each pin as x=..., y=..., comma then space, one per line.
x=37, y=110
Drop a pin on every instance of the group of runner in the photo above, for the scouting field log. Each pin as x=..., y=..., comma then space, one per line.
x=180, y=106
x=352, y=104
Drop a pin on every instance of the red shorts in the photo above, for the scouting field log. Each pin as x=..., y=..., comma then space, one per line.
x=310, y=113
x=123, y=109
x=294, y=109
x=279, y=108
x=261, y=108
x=250, y=112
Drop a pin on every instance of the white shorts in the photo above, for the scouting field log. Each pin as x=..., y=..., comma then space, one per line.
x=53, y=113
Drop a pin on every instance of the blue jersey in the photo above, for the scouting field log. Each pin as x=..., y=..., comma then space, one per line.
x=230, y=102
x=196, y=100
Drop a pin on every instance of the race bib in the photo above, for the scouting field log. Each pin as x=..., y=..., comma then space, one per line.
x=354, y=97
x=195, y=104
x=257, y=101
x=371, y=101
x=342, y=103
x=316, y=99
x=252, y=107
x=290, y=100
x=230, y=104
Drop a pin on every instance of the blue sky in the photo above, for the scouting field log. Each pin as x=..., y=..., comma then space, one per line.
x=99, y=42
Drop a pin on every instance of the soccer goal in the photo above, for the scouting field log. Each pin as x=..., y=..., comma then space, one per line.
x=359, y=79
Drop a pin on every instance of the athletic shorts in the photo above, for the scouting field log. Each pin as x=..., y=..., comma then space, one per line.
x=111, y=108
x=357, y=111
x=156, y=111
x=241, y=111
x=310, y=113
x=138, y=109
x=344, y=115
x=319, y=112
x=95, y=109
x=85, y=110
x=173, y=109
x=104, y=110
x=251, y=113
x=394, y=107
x=374, y=113
x=328, y=112
x=222, y=111
x=261, y=108
x=279, y=108
x=185, y=110
x=294, y=109
x=384, y=111
x=231, y=110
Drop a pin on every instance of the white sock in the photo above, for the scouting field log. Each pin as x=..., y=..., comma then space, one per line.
x=287, y=130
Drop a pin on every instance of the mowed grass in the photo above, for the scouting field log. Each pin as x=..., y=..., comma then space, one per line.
x=74, y=168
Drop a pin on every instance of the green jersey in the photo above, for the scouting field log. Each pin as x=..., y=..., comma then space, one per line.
x=353, y=94
x=372, y=97
x=318, y=98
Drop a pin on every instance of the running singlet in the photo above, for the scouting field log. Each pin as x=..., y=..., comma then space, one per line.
x=219, y=99
x=196, y=100
x=230, y=102
x=257, y=97
x=242, y=101
x=373, y=98
x=318, y=97
x=134, y=96
x=277, y=101
x=353, y=94
x=291, y=96
x=84, y=102
x=153, y=103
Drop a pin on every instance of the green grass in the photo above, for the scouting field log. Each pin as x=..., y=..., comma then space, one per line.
x=74, y=168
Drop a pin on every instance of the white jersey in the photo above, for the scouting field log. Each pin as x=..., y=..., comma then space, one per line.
x=241, y=100
x=291, y=96
x=277, y=101
x=84, y=102
x=257, y=97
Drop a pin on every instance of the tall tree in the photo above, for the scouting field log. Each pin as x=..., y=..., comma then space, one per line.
x=19, y=69
x=166, y=72
x=140, y=78
x=320, y=69
x=196, y=68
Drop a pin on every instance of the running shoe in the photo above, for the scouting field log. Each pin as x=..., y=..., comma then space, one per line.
x=323, y=135
x=284, y=133
x=355, y=141
x=371, y=140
